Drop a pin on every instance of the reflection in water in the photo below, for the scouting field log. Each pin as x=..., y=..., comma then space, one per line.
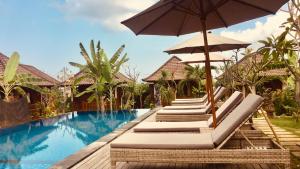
x=17, y=145
x=41, y=144
x=90, y=126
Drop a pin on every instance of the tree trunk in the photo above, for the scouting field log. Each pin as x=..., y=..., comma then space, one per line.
x=102, y=104
x=111, y=98
x=297, y=91
x=122, y=99
x=6, y=98
x=252, y=89
x=98, y=103
x=244, y=91
x=128, y=102
x=141, y=101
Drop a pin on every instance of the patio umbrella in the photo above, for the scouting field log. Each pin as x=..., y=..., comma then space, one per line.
x=200, y=58
x=216, y=44
x=178, y=17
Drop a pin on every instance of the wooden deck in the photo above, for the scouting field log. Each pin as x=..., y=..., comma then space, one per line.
x=286, y=138
x=100, y=159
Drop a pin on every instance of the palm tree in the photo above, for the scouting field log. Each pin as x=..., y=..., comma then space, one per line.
x=194, y=74
x=100, y=70
x=11, y=81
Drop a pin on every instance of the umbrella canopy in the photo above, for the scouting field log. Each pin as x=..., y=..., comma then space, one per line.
x=178, y=17
x=215, y=44
x=200, y=58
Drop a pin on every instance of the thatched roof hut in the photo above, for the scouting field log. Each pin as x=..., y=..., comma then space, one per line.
x=45, y=79
x=174, y=65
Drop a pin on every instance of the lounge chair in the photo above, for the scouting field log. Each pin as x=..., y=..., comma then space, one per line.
x=173, y=115
x=195, y=104
x=192, y=126
x=180, y=102
x=219, y=146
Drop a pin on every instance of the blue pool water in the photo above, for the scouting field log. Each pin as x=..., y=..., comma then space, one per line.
x=40, y=144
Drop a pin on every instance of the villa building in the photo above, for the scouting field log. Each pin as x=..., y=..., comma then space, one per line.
x=176, y=70
x=45, y=80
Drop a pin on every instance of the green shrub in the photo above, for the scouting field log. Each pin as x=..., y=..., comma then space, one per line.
x=284, y=102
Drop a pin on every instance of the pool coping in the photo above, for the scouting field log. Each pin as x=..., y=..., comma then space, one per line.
x=83, y=153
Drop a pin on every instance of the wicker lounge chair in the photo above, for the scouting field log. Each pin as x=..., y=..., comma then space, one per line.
x=204, y=98
x=183, y=102
x=193, y=126
x=219, y=146
x=176, y=115
x=195, y=104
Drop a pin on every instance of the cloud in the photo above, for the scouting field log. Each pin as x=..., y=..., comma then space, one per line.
x=108, y=13
x=261, y=30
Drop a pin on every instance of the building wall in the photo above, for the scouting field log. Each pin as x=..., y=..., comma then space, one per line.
x=81, y=103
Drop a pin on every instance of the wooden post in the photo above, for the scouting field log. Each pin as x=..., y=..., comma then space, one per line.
x=208, y=74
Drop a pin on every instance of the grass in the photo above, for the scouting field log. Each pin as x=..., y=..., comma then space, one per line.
x=288, y=123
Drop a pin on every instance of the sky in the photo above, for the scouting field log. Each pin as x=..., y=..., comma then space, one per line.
x=47, y=33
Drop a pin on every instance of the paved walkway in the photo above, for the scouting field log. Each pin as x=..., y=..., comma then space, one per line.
x=287, y=139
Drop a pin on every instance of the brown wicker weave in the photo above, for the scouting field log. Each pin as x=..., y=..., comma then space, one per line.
x=234, y=149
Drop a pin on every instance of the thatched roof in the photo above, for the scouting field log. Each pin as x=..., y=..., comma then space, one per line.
x=258, y=58
x=45, y=79
x=120, y=78
x=173, y=65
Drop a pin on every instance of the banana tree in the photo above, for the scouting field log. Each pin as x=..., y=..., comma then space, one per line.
x=110, y=68
x=100, y=70
x=11, y=81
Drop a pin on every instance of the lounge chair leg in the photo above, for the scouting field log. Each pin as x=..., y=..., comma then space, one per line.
x=113, y=164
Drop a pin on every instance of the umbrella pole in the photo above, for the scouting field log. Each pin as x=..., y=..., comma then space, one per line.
x=208, y=73
x=206, y=88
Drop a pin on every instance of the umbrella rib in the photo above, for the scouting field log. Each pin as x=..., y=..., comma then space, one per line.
x=254, y=6
x=182, y=24
x=217, y=12
x=152, y=22
x=218, y=5
x=184, y=9
x=141, y=14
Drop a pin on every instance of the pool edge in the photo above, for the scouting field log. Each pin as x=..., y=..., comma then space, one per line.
x=83, y=153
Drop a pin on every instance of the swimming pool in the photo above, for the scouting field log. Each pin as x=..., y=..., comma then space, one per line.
x=40, y=144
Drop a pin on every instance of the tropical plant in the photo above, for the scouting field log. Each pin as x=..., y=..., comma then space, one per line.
x=284, y=102
x=141, y=89
x=11, y=81
x=194, y=74
x=65, y=76
x=249, y=74
x=129, y=89
x=111, y=68
x=53, y=102
x=101, y=71
x=282, y=50
x=166, y=92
